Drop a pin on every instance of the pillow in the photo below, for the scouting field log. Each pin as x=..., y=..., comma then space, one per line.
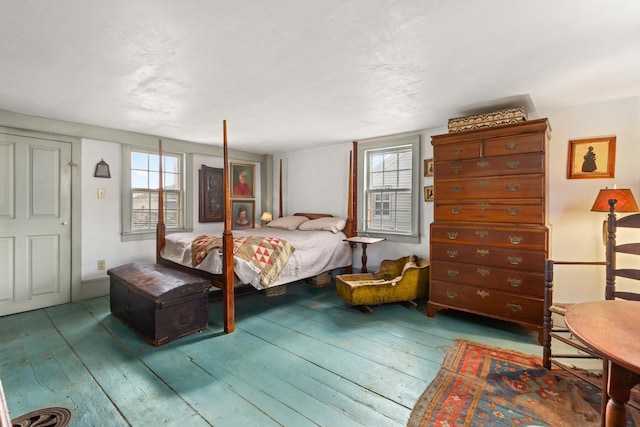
x=324, y=224
x=288, y=222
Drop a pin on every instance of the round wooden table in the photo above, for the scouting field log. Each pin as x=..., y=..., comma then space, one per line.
x=611, y=329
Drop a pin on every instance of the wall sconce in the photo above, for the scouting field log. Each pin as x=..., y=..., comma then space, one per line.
x=102, y=170
x=624, y=202
x=266, y=217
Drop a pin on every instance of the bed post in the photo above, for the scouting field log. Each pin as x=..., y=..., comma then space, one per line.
x=160, y=228
x=280, y=193
x=227, y=245
x=352, y=208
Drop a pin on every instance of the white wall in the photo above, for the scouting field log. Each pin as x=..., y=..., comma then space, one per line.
x=316, y=180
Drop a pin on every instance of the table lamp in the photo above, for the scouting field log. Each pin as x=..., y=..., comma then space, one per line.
x=625, y=202
x=266, y=217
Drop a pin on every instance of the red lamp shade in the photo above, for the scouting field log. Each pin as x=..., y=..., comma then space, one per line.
x=625, y=200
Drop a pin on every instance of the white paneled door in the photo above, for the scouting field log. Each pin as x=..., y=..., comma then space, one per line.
x=35, y=223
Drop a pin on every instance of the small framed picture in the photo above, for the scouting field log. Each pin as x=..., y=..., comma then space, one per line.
x=428, y=167
x=243, y=214
x=592, y=158
x=428, y=193
x=242, y=180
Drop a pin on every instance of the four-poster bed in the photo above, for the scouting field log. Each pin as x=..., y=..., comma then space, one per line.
x=295, y=251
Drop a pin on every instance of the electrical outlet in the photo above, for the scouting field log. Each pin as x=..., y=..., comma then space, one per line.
x=102, y=264
x=102, y=193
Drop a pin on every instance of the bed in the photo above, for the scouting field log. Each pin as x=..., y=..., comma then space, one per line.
x=229, y=259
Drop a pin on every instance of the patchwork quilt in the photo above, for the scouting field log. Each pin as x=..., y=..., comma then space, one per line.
x=268, y=254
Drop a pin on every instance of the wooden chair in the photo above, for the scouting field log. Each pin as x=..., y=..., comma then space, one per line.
x=615, y=254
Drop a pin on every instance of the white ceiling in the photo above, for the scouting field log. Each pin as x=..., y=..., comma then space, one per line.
x=294, y=74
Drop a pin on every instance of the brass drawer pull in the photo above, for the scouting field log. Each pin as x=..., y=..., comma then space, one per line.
x=452, y=253
x=456, y=188
x=483, y=294
x=513, y=165
x=482, y=164
x=452, y=235
x=515, y=240
x=483, y=205
x=482, y=252
x=452, y=273
x=512, y=187
x=456, y=210
x=482, y=233
x=483, y=272
x=452, y=295
x=456, y=168
x=515, y=260
x=483, y=184
x=511, y=145
x=514, y=282
x=514, y=307
x=457, y=151
x=512, y=211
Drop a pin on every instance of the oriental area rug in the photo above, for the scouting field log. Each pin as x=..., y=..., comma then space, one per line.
x=482, y=386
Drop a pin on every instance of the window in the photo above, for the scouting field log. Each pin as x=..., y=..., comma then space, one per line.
x=140, y=207
x=388, y=174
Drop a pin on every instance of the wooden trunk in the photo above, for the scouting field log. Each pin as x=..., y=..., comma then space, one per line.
x=158, y=303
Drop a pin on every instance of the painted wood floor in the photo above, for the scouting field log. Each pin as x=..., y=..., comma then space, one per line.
x=300, y=359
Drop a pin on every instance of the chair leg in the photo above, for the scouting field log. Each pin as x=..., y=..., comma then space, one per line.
x=604, y=393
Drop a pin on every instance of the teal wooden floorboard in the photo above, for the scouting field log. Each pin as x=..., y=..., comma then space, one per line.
x=301, y=359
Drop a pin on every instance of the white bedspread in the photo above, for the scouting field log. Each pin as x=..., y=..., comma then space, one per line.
x=315, y=253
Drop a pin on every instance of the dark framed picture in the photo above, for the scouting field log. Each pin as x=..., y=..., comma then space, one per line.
x=592, y=158
x=243, y=212
x=428, y=167
x=211, y=197
x=242, y=180
x=428, y=193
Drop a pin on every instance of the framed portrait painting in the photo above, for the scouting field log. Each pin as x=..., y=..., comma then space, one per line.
x=242, y=180
x=592, y=158
x=243, y=212
x=211, y=197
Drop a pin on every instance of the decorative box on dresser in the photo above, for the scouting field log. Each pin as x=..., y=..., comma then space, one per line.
x=489, y=238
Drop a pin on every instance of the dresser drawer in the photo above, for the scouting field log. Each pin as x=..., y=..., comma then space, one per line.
x=485, y=276
x=516, y=144
x=490, y=166
x=500, y=187
x=488, y=255
x=513, y=211
x=469, y=150
x=502, y=305
x=482, y=234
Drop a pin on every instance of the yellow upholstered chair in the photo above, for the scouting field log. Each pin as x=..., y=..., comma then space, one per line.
x=401, y=280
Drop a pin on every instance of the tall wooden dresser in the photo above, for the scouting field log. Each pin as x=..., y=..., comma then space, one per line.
x=489, y=238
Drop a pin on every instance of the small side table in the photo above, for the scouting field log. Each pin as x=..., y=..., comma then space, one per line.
x=364, y=241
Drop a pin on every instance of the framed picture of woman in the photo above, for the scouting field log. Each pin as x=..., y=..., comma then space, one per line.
x=592, y=158
x=243, y=214
x=242, y=180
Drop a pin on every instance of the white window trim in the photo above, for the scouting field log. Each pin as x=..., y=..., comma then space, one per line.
x=414, y=141
x=187, y=191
